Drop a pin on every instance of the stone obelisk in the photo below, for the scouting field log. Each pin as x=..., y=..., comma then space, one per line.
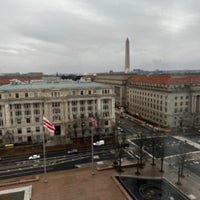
x=127, y=57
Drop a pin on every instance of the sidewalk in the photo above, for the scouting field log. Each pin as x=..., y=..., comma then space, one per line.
x=77, y=184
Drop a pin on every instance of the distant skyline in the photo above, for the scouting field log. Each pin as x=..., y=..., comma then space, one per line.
x=87, y=36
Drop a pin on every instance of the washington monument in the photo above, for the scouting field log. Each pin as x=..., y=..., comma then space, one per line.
x=127, y=57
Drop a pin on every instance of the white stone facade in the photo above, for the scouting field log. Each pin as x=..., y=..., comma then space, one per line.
x=68, y=105
x=165, y=101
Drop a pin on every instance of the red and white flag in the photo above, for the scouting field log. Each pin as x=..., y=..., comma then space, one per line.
x=47, y=124
x=94, y=121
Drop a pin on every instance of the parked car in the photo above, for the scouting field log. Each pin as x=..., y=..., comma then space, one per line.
x=72, y=151
x=99, y=143
x=33, y=157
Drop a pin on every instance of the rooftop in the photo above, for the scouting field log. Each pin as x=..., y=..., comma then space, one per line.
x=166, y=79
x=48, y=85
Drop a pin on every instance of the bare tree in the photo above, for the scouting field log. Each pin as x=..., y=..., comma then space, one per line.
x=181, y=161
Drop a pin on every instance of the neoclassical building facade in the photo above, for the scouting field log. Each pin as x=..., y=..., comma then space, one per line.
x=119, y=82
x=171, y=101
x=68, y=105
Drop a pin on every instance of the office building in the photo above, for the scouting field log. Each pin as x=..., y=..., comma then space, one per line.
x=170, y=101
x=68, y=105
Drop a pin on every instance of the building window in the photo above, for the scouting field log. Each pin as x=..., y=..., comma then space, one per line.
x=74, y=117
x=36, y=105
x=74, y=109
x=19, y=121
x=1, y=122
x=17, y=95
x=26, y=95
x=56, y=104
x=105, y=101
x=28, y=130
x=56, y=110
x=105, y=107
x=105, y=114
x=90, y=124
x=37, y=129
x=55, y=94
x=28, y=120
x=81, y=92
x=19, y=130
x=74, y=103
x=27, y=105
x=90, y=102
x=82, y=116
x=90, y=108
x=27, y=112
x=82, y=102
x=36, y=112
x=37, y=119
x=56, y=117
x=18, y=113
x=17, y=106
x=82, y=109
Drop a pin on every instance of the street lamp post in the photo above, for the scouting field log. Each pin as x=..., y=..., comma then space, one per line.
x=92, y=151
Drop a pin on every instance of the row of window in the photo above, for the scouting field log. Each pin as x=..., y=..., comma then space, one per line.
x=149, y=94
x=25, y=105
x=56, y=104
x=181, y=103
x=147, y=105
x=19, y=120
x=26, y=113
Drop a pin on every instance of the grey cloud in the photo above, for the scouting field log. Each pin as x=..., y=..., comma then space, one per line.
x=48, y=36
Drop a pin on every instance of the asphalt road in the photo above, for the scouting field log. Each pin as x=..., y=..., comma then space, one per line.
x=16, y=166
x=131, y=127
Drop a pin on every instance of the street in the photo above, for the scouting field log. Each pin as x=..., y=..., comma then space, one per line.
x=17, y=166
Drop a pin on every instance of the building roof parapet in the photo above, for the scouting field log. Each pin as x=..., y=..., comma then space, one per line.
x=52, y=85
x=166, y=79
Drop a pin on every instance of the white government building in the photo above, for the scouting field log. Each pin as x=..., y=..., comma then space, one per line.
x=170, y=101
x=68, y=105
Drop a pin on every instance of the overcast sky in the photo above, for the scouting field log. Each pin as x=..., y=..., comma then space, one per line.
x=88, y=36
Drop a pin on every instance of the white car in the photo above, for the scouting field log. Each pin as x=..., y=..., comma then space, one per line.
x=72, y=151
x=99, y=143
x=33, y=157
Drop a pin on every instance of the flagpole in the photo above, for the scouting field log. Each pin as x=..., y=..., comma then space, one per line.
x=47, y=124
x=44, y=154
x=92, y=150
x=44, y=159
